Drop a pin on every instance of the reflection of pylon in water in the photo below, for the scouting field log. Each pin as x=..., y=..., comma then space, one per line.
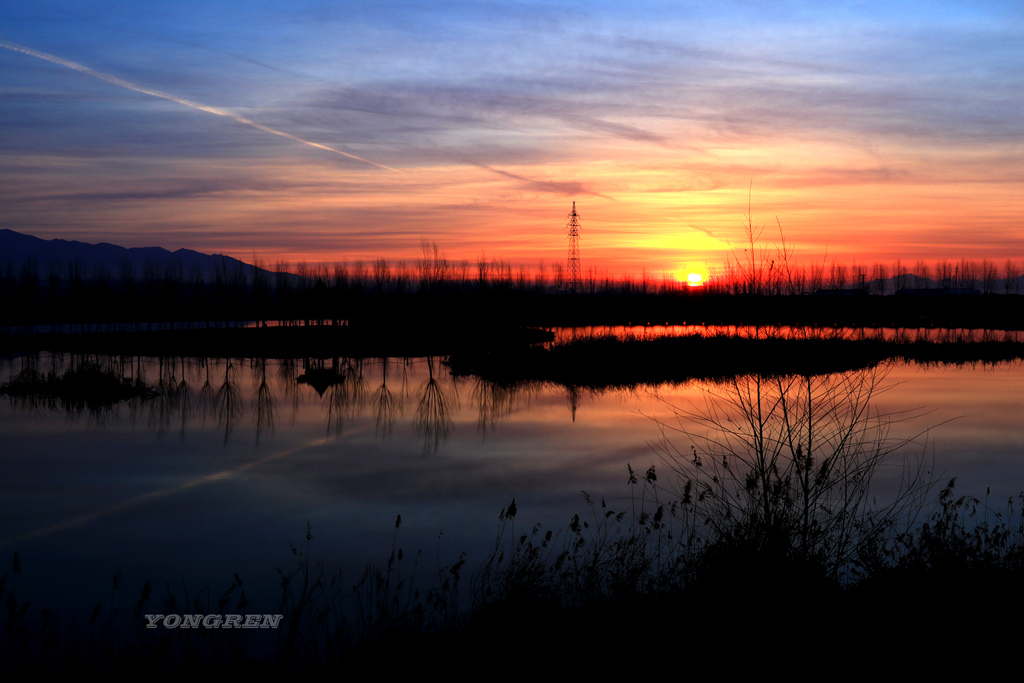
x=573, y=394
x=574, y=280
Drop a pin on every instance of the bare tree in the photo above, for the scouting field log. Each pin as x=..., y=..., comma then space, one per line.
x=125, y=276
x=435, y=271
x=837, y=276
x=787, y=463
x=784, y=258
x=968, y=274
x=304, y=272
x=989, y=277
x=900, y=275
x=1012, y=277
x=357, y=277
x=817, y=277
x=196, y=279
x=922, y=272
x=521, y=279
x=945, y=273
x=559, y=277
x=798, y=280
x=755, y=255
x=879, y=275
x=482, y=271
x=402, y=278
x=381, y=275
x=281, y=278
x=860, y=276
x=340, y=276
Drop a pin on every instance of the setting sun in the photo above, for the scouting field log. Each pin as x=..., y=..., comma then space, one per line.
x=689, y=278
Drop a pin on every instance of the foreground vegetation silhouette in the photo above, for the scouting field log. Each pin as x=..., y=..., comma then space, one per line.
x=786, y=517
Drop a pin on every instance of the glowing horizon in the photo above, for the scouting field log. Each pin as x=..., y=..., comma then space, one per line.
x=869, y=136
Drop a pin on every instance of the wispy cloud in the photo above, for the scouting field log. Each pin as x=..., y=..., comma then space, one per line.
x=905, y=119
x=567, y=189
x=217, y=111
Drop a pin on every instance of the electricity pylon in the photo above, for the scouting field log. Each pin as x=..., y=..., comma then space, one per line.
x=574, y=281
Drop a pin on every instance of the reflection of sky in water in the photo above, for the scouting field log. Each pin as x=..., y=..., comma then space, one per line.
x=210, y=480
x=904, y=334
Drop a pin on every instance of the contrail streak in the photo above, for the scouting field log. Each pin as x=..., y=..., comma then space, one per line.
x=566, y=189
x=188, y=103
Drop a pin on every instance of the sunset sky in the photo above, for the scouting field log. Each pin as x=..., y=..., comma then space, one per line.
x=341, y=131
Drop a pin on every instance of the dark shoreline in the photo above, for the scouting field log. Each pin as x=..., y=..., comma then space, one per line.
x=468, y=307
x=605, y=362
x=509, y=355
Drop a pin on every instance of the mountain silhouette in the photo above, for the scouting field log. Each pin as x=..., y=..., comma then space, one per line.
x=18, y=251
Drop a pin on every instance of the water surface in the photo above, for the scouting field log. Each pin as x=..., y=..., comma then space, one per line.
x=232, y=459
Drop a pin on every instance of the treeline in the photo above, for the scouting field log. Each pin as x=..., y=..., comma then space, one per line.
x=436, y=273
x=73, y=291
x=767, y=266
x=780, y=277
x=436, y=286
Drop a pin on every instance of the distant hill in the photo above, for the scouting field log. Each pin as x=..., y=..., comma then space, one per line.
x=45, y=257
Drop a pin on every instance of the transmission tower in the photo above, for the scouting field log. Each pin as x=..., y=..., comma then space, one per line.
x=574, y=281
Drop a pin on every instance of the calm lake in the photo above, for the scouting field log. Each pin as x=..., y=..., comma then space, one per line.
x=223, y=468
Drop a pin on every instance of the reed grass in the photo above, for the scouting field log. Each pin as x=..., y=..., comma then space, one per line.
x=535, y=584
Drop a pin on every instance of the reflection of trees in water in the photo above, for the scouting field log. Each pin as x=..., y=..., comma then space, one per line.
x=160, y=407
x=207, y=394
x=434, y=411
x=228, y=401
x=185, y=398
x=499, y=401
x=78, y=384
x=359, y=388
x=286, y=374
x=264, y=400
x=337, y=402
x=347, y=396
x=572, y=397
x=140, y=380
x=388, y=406
x=345, y=388
x=174, y=396
x=188, y=393
x=177, y=399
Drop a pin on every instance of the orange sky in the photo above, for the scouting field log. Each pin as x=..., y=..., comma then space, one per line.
x=869, y=134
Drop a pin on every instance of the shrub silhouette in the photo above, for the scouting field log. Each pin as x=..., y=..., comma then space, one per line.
x=779, y=472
